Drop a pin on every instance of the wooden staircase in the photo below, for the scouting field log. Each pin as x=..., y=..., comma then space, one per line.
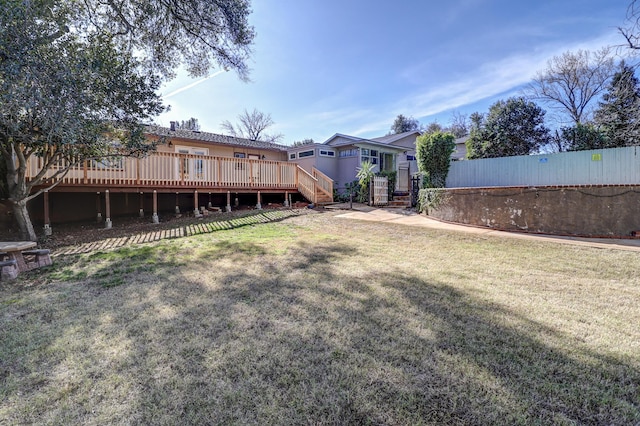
x=316, y=187
x=322, y=198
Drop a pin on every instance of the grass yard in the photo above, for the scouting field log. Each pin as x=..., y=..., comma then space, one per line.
x=321, y=320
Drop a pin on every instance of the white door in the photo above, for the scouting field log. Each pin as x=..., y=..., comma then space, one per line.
x=189, y=167
x=403, y=177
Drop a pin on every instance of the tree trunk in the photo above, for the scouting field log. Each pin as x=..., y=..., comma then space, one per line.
x=21, y=214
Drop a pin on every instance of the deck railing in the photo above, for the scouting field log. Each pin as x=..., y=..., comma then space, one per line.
x=162, y=169
x=307, y=184
x=169, y=169
x=325, y=183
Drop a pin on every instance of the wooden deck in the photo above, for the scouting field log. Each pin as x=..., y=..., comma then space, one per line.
x=168, y=172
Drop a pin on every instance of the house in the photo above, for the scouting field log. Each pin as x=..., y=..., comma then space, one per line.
x=189, y=172
x=460, y=152
x=340, y=156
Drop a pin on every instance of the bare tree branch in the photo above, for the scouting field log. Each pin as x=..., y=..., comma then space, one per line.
x=252, y=126
x=572, y=81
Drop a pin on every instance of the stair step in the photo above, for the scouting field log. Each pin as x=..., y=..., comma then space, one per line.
x=398, y=204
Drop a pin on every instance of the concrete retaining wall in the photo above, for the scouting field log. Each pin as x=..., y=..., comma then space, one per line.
x=602, y=210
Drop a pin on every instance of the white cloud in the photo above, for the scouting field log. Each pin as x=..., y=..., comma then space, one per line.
x=490, y=79
x=190, y=85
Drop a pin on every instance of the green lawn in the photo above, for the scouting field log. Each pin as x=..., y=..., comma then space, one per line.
x=322, y=320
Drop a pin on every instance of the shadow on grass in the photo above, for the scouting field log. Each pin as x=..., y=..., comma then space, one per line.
x=298, y=341
x=203, y=226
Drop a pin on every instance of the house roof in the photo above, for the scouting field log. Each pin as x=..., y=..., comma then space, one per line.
x=213, y=138
x=389, y=139
x=340, y=135
x=354, y=140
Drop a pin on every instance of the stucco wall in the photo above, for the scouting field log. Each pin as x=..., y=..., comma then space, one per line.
x=569, y=210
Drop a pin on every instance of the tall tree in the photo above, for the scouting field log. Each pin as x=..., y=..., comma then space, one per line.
x=572, y=81
x=77, y=79
x=252, y=125
x=618, y=114
x=404, y=124
x=512, y=127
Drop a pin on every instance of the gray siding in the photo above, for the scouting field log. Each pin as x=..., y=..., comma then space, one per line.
x=597, y=167
x=347, y=170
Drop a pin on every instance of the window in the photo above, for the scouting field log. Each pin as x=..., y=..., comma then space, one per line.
x=303, y=154
x=411, y=158
x=239, y=155
x=370, y=155
x=292, y=156
x=326, y=153
x=348, y=153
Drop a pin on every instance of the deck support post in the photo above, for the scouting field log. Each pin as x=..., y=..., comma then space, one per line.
x=177, y=205
x=107, y=205
x=286, y=199
x=259, y=205
x=228, y=201
x=141, y=204
x=209, y=205
x=155, y=218
x=47, y=221
x=98, y=208
x=196, y=211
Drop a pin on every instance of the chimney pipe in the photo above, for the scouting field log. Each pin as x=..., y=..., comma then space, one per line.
x=172, y=126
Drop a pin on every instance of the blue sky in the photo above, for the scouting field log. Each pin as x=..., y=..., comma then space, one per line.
x=322, y=67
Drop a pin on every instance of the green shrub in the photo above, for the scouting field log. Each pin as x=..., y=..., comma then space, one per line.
x=434, y=157
x=431, y=198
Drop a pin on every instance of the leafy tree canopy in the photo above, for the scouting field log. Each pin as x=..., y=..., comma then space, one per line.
x=512, y=127
x=404, y=124
x=78, y=78
x=618, y=115
x=581, y=137
x=198, y=34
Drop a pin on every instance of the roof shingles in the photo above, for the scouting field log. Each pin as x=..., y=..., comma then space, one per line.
x=213, y=138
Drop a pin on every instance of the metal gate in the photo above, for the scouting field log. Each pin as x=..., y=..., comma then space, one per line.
x=380, y=191
x=415, y=190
